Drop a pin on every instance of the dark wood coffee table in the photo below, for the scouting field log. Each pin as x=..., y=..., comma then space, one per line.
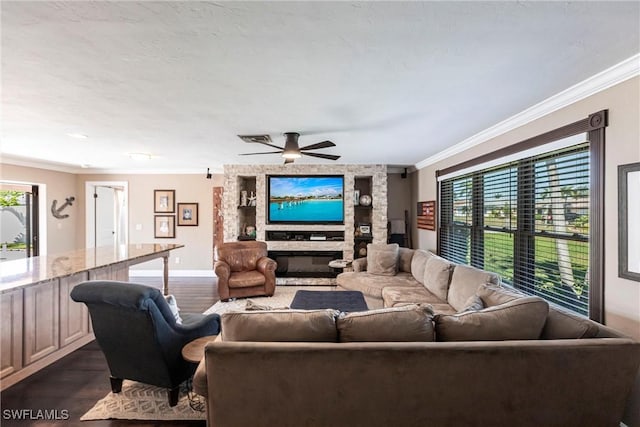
x=346, y=301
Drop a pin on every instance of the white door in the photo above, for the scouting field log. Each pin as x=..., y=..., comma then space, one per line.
x=106, y=214
x=105, y=210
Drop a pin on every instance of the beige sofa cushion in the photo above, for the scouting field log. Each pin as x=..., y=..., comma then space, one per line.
x=465, y=281
x=419, y=263
x=474, y=303
x=373, y=284
x=495, y=295
x=405, y=255
x=562, y=324
x=437, y=273
x=280, y=325
x=407, y=323
x=382, y=259
x=520, y=319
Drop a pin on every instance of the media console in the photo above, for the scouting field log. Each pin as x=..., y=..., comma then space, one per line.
x=293, y=235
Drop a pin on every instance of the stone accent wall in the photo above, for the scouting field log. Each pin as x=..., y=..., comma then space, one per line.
x=233, y=175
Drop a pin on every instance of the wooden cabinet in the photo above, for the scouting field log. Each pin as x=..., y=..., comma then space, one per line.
x=41, y=320
x=74, y=316
x=11, y=332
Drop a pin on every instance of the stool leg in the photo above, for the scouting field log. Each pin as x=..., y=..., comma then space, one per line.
x=116, y=384
x=173, y=394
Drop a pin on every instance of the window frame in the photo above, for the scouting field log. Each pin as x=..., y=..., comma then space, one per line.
x=594, y=125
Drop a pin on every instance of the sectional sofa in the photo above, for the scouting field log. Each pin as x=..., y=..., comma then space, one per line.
x=476, y=354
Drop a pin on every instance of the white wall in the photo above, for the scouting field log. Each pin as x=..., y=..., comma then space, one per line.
x=622, y=296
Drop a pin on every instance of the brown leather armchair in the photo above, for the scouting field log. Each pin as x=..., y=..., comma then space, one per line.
x=244, y=270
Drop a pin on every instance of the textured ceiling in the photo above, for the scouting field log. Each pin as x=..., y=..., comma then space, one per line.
x=388, y=82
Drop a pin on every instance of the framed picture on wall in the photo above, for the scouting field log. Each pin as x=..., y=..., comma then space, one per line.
x=164, y=227
x=164, y=201
x=188, y=214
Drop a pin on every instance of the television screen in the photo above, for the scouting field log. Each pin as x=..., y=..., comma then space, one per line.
x=306, y=199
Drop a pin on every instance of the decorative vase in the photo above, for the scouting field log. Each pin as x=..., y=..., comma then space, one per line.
x=365, y=200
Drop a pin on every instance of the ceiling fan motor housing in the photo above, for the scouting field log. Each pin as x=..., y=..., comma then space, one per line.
x=291, y=149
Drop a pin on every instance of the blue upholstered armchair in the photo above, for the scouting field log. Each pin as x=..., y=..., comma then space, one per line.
x=138, y=333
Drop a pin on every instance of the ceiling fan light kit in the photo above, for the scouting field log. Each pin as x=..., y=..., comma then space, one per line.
x=291, y=149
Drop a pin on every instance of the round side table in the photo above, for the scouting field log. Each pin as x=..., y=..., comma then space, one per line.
x=193, y=351
x=339, y=264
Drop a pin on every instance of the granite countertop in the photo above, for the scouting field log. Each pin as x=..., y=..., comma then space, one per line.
x=26, y=271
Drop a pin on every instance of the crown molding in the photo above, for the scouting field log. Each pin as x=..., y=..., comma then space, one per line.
x=58, y=167
x=619, y=73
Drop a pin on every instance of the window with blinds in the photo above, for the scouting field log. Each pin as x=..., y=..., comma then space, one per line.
x=527, y=220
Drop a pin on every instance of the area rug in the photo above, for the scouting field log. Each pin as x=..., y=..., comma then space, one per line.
x=281, y=298
x=139, y=401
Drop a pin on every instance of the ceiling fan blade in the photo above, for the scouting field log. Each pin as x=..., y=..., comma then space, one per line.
x=266, y=143
x=287, y=161
x=264, y=152
x=323, y=144
x=322, y=156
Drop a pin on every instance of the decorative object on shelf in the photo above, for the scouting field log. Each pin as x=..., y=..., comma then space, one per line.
x=56, y=212
x=427, y=215
x=164, y=201
x=252, y=199
x=243, y=198
x=629, y=212
x=188, y=214
x=250, y=230
x=365, y=200
x=362, y=251
x=364, y=229
x=356, y=197
x=165, y=227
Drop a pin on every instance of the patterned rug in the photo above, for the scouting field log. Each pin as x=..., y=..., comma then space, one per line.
x=281, y=298
x=139, y=401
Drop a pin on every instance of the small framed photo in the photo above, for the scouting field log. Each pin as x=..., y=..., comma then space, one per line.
x=188, y=214
x=365, y=229
x=165, y=227
x=164, y=201
x=356, y=197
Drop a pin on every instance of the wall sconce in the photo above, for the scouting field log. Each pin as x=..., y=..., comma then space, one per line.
x=208, y=174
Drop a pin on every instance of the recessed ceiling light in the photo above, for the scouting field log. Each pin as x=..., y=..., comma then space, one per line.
x=84, y=166
x=77, y=135
x=139, y=156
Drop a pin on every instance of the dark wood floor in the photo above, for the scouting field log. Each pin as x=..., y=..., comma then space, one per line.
x=79, y=380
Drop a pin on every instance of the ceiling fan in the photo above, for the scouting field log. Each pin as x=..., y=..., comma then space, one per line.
x=291, y=149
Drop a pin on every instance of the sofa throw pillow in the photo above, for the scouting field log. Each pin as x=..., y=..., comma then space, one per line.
x=520, y=319
x=474, y=303
x=465, y=281
x=418, y=264
x=410, y=322
x=173, y=306
x=437, y=273
x=382, y=259
x=495, y=295
x=280, y=326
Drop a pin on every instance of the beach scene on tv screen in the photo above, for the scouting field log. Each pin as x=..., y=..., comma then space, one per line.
x=306, y=199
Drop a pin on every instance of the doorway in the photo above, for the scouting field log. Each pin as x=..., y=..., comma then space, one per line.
x=107, y=216
x=19, y=219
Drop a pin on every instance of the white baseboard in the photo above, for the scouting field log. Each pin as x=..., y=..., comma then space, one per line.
x=172, y=273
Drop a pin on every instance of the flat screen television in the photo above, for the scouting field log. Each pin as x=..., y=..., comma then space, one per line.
x=308, y=199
